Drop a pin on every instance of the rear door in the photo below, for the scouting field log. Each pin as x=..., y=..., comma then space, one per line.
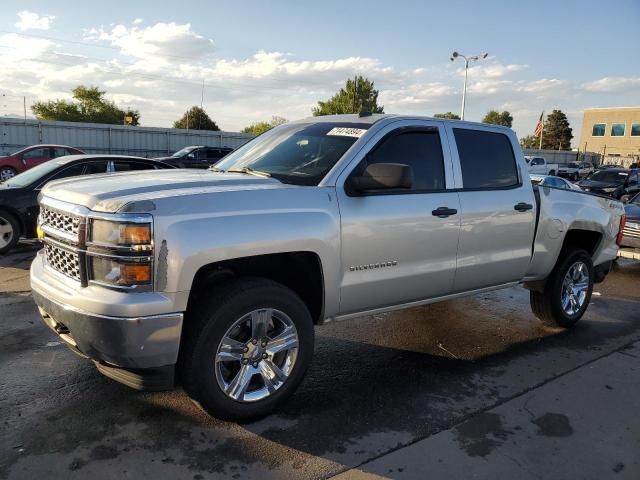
x=394, y=249
x=497, y=207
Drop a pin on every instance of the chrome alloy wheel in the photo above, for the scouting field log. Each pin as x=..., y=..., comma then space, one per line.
x=574, y=288
x=256, y=355
x=6, y=174
x=6, y=232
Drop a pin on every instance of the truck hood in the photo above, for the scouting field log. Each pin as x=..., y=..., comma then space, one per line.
x=136, y=191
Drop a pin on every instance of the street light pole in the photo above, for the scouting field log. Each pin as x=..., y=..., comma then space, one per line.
x=475, y=58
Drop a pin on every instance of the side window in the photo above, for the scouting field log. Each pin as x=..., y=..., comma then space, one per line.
x=36, y=153
x=486, y=159
x=96, y=167
x=60, y=152
x=128, y=166
x=421, y=150
x=536, y=161
x=72, y=171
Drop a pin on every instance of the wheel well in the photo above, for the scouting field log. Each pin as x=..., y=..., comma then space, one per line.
x=300, y=271
x=586, y=239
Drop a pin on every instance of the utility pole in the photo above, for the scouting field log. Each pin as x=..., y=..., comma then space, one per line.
x=24, y=106
x=355, y=91
x=201, y=103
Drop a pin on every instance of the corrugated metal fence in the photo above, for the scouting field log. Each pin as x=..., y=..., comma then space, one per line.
x=117, y=139
x=564, y=156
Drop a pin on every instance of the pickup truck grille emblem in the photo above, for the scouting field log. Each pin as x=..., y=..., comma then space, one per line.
x=373, y=266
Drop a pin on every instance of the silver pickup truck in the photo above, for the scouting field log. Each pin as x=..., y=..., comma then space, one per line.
x=217, y=278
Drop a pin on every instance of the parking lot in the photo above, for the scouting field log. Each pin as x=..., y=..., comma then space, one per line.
x=472, y=385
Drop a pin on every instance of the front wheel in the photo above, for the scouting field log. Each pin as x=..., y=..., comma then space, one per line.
x=567, y=291
x=246, y=349
x=6, y=173
x=9, y=232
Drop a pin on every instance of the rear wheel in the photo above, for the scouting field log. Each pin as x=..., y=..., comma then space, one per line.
x=246, y=349
x=9, y=232
x=567, y=291
x=6, y=173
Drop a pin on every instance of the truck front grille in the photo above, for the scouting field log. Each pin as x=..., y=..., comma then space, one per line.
x=63, y=261
x=63, y=222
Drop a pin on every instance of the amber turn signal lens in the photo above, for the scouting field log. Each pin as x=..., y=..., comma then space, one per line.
x=39, y=233
x=134, y=274
x=134, y=234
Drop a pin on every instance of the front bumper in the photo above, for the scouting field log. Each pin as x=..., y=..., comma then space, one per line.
x=108, y=337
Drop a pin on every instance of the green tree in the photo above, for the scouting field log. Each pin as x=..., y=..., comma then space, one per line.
x=88, y=105
x=356, y=95
x=557, y=133
x=498, y=118
x=258, y=128
x=530, y=141
x=196, y=119
x=450, y=115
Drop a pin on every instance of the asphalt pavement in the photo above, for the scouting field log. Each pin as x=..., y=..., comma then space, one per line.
x=470, y=388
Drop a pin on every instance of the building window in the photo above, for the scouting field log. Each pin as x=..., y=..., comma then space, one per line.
x=617, y=130
x=635, y=129
x=598, y=130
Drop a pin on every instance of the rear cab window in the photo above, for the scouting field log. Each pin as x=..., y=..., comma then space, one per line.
x=487, y=160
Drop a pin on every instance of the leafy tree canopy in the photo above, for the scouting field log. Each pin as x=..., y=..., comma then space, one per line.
x=258, y=128
x=450, y=115
x=196, y=119
x=88, y=105
x=357, y=95
x=498, y=118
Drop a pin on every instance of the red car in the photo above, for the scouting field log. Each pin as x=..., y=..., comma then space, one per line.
x=31, y=156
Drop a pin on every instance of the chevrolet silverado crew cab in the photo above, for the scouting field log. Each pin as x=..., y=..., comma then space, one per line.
x=217, y=278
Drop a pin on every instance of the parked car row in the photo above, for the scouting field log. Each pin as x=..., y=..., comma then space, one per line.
x=19, y=194
x=196, y=156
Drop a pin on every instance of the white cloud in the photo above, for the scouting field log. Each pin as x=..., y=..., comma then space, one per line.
x=159, y=41
x=33, y=21
x=159, y=70
x=137, y=21
x=612, y=85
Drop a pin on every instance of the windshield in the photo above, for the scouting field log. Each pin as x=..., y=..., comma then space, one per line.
x=609, y=176
x=183, y=152
x=301, y=154
x=34, y=174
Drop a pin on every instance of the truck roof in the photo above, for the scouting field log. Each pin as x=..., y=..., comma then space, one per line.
x=376, y=117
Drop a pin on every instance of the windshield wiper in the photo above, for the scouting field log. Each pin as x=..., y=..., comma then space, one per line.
x=250, y=171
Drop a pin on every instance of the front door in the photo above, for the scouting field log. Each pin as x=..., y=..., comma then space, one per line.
x=395, y=250
x=36, y=156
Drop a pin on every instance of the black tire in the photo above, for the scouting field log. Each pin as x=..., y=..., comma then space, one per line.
x=7, y=173
x=210, y=319
x=547, y=305
x=11, y=237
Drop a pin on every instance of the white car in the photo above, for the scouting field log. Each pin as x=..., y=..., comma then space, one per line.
x=539, y=165
x=574, y=171
x=555, y=182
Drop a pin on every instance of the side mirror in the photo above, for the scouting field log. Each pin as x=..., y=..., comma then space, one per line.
x=383, y=176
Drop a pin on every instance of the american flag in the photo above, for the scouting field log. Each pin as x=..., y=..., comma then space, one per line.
x=539, y=126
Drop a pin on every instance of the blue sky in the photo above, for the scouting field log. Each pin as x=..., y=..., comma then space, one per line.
x=259, y=59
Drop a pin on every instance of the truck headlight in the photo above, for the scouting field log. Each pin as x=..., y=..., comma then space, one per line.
x=120, y=234
x=120, y=271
